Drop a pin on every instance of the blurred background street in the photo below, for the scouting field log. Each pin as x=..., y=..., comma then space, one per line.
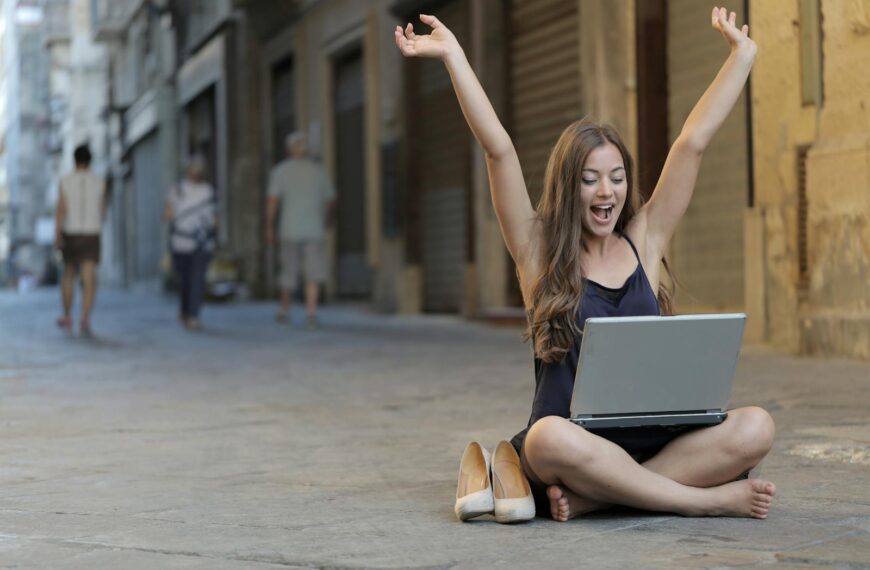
x=777, y=228
x=252, y=443
x=256, y=445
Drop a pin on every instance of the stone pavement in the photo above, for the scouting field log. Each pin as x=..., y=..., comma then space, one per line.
x=258, y=445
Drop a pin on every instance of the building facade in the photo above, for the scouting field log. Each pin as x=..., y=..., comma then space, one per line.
x=25, y=208
x=140, y=118
x=810, y=232
x=415, y=228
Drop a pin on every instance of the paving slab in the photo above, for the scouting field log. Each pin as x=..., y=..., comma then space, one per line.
x=259, y=445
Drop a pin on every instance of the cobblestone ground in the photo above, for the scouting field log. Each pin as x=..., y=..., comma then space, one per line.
x=255, y=445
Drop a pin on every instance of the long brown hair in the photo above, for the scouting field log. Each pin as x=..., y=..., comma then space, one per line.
x=558, y=290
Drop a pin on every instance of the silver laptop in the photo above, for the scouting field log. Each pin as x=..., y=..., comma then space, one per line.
x=644, y=371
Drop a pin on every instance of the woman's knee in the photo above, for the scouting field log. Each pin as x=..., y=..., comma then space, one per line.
x=553, y=441
x=752, y=433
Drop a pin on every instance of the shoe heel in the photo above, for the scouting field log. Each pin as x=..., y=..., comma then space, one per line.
x=512, y=495
x=474, y=487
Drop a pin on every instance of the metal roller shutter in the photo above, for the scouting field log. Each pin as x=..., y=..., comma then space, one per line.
x=544, y=81
x=149, y=199
x=544, y=69
x=354, y=274
x=707, y=249
x=440, y=170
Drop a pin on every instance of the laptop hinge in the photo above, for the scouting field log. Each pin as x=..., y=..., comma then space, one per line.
x=646, y=414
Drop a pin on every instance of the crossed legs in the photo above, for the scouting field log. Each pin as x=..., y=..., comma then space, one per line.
x=693, y=475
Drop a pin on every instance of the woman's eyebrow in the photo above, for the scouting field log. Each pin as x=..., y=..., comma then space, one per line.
x=596, y=172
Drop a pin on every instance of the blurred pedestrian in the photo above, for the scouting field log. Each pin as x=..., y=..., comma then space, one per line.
x=307, y=203
x=81, y=210
x=191, y=213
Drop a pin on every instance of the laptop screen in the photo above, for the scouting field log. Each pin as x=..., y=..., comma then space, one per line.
x=632, y=365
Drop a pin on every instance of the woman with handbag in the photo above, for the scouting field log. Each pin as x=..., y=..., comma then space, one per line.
x=191, y=213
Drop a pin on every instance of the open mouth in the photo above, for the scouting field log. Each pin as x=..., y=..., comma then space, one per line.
x=602, y=214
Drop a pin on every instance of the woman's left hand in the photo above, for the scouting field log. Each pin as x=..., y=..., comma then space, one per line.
x=738, y=39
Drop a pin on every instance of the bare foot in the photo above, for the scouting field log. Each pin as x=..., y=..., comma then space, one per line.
x=565, y=504
x=748, y=498
x=65, y=323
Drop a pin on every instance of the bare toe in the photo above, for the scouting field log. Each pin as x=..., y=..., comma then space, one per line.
x=763, y=487
x=761, y=497
x=554, y=493
x=565, y=504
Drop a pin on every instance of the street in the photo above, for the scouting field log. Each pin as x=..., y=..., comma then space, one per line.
x=253, y=444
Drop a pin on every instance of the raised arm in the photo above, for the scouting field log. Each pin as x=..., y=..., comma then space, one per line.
x=509, y=195
x=677, y=182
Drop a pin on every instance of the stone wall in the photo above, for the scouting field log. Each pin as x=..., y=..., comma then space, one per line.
x=826, y=311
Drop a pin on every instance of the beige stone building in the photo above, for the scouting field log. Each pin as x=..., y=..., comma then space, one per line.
x=778, y=224
x=809, y=282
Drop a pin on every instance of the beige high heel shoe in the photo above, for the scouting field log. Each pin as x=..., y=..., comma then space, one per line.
x=511, y=491
x=473, y=490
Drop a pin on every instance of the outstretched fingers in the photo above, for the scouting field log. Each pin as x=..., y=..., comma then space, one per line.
x=726, y=23
x=431, y=21
x=403, y=42
x=723, y=20
x=717, y=22
x=400, y=37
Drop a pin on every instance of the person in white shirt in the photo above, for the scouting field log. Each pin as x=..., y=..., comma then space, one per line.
x=81, y=210
x=302, y=190
x=192, y=216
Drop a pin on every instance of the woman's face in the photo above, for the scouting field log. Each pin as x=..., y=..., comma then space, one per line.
x=602, y=190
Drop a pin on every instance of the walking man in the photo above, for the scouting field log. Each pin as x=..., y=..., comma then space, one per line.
x=81, y=209
x=307, y=203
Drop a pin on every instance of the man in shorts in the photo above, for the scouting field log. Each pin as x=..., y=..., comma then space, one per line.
x=81, y=209
x=299, y=187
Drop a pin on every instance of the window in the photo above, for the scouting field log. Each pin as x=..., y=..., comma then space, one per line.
x=811, y=52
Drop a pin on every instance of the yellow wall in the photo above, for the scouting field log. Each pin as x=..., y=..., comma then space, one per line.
x=708, y=247
x=832, y=316
x=780, y=125
x=837, y=315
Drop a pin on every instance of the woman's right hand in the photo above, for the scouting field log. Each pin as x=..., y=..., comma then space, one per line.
x=439, y=44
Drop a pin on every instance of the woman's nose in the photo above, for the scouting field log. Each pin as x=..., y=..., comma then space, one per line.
x=605, y=188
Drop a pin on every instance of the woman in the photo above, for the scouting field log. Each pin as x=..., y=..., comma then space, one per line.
x=589, y=250
x=190, y=211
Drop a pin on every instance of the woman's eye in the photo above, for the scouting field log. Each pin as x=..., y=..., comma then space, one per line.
x=617, y=180
x=587, y=181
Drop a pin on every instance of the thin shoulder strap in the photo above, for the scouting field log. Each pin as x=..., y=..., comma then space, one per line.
x=634, y=249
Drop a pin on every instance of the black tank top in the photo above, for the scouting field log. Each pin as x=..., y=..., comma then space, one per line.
x=554, y=381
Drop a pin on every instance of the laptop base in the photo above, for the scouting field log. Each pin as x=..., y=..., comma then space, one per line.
x=640, y=420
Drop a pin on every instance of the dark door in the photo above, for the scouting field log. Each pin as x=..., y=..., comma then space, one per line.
x=354, y=274
x=201, y=133
x=544, y=52
x=149, y=199
x=283, y=105
x=438, y=150
x=652, y=93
